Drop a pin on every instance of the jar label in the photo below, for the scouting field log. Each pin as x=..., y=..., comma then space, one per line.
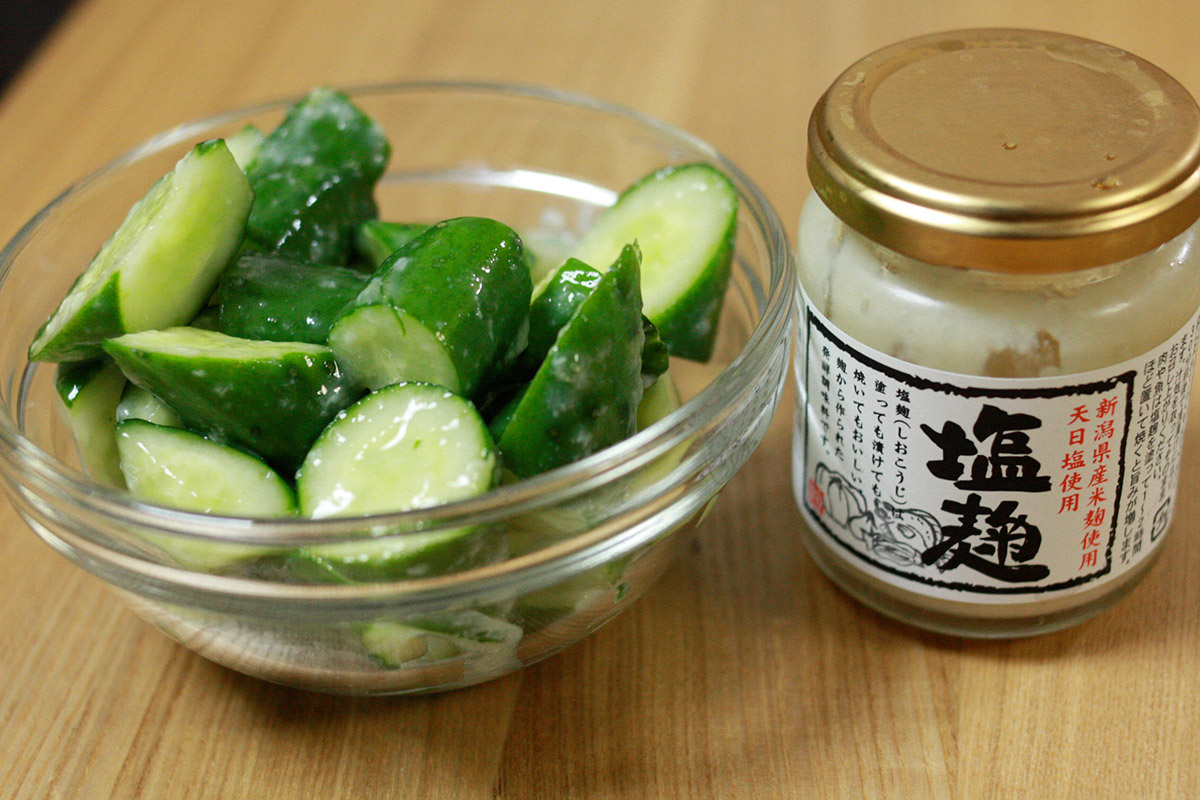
x=987, y=489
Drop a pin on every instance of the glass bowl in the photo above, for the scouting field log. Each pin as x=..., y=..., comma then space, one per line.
x=571, y=548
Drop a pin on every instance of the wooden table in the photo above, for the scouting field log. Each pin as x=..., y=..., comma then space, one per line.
x=743, y=673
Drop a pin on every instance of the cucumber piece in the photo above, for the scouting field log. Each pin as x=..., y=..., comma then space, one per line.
x=394, y=645
x=684, y=218
x=376, y=240
x=273, y=398
x=276, y=299
x=585, y=395
x=179, y=469
x=443, y=309
x=395, y=557
x=160, y=266
x=420, y=640
x=552, y=308
x=137, y=403
x=381, y=346
x=658, y=400
x=314, y=180
x=537, y=610
x=89, y=392
x=244, y=145
x=407, y=446
x=537, y=529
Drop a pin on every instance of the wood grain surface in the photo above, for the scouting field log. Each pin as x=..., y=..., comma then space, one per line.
x=743, y=673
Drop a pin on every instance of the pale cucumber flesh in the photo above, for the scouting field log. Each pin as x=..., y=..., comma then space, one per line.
x=181, y=469
x=381, y=345
x=684, y=219
x=90, y=394
x=411, y=445
x=138, y=403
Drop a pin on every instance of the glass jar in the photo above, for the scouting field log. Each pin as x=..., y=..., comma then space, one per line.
x=998, y=322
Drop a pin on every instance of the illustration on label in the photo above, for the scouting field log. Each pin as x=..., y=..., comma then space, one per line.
x=994, y=487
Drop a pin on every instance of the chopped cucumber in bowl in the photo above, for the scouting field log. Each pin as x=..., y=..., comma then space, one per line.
x=284, y=490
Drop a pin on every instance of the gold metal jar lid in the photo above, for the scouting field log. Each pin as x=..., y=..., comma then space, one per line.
x=1008, y=150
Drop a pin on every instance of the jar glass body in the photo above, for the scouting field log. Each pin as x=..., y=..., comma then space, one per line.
x=1011, y=334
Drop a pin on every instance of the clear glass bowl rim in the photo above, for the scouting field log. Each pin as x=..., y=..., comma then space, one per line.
x=770, y=334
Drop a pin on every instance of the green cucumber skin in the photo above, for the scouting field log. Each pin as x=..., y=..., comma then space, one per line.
x=466, y=280
x=549, y=313
x=314, y=178
x=656, y=358
x=274, y=406
x=191, y=251
x=552, y=309
x=585, y=395
x=81, y=338
x=280, y=300
x=375, y=240
x=73, y=377
x=207, y=319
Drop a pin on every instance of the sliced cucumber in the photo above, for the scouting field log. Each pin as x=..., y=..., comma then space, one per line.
x=244, y=145
x=535, y=530
x=160, y=266
x=420, y=640
x=658, y=400
x=552, y=308
x=179, y=469
x=380, y=345
x=280, y=300
x=395, y=556
x=314, y=178
x=407, y=446
x=585, y=395
x=376, y=240
x=137, y=403
x=411, y=445
x=684, y=218
x=273, y=398
x=395, y=644
x=443, y=309
x=536, y=610
x=89, y=392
